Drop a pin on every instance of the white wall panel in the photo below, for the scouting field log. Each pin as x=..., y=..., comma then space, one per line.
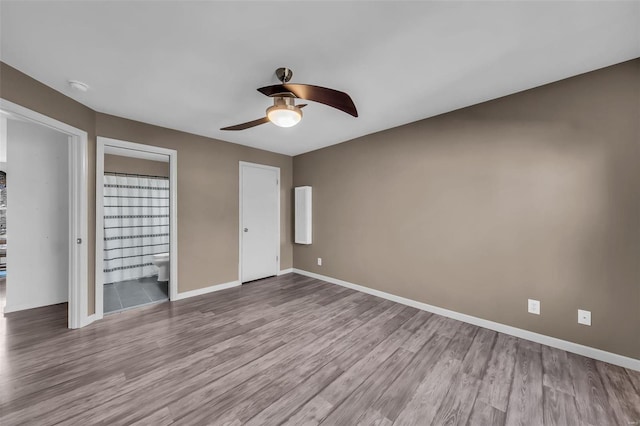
x=303, y=216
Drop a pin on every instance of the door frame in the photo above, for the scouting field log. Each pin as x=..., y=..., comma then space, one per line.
x=140, y=151
x=78, y=315
x=242, y=165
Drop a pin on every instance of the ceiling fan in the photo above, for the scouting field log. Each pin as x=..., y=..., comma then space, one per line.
x=285, y=113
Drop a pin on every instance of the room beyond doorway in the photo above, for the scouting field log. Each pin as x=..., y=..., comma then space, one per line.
x=136, y=232
x=136, y=253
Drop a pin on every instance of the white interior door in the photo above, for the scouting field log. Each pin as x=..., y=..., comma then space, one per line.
x=259, y=221
x=37, y=216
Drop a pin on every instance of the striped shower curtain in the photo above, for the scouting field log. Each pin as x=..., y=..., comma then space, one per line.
x=136, y=225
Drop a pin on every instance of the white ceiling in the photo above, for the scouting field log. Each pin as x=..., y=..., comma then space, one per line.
x=195, y=66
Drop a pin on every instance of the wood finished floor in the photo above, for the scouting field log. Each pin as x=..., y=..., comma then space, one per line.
x=296, y=351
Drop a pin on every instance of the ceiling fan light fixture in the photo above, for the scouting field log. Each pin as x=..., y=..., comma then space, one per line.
x=285, y=112
x=284, y=115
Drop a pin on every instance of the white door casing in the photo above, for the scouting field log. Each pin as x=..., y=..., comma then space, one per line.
x=259, y=221
x=149, y=152
x=78, y=203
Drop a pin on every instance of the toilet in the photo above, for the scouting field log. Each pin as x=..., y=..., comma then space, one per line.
x=161, y=260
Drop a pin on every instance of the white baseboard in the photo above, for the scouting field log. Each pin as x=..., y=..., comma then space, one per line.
x=85, y=320
x=31, y=305
x=210, y=289
x=599, y=354
x=285, y=271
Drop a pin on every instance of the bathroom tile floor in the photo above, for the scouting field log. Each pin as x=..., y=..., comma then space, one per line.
x=128, y=294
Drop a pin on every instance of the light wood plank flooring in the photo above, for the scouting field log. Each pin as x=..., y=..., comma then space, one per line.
x=296, y=351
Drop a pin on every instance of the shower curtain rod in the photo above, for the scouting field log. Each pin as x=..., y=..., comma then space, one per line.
x=134, y=175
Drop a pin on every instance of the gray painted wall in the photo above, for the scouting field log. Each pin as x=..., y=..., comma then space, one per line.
x=535, y=195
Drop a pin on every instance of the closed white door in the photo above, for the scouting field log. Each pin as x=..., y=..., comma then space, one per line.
x=260, y=219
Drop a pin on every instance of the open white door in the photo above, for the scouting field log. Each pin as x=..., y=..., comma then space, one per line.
x=76, y=226
x=259, y=221
x=38, y=216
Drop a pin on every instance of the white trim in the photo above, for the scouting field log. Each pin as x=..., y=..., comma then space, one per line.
x=241, y=165
x=210, y=289
x=99, y=252
x=132, y=153
x=3, y=142
x=88, y=320
x=78, y=209
x=599, y=354
x=285, y=271
x=173, y=228
x=30, y=305
x=138, y=150
x=79, y=317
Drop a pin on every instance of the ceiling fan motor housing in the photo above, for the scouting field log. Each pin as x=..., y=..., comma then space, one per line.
x=284, y=100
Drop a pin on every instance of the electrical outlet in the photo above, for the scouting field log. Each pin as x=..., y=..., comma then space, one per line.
x=584, y=317
x=319, y=261
x=534, y=306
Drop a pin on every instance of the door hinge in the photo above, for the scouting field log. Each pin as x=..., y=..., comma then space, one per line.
x=276, y=258
x=277, y=181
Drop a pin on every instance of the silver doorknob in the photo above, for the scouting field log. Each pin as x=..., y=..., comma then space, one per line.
x=246, y=229
x=79, y=241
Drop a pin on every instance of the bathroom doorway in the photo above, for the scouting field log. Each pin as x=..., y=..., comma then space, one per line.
x=135, y=225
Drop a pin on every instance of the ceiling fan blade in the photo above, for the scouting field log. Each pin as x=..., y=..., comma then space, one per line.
x=323, y=95
x=248, y=124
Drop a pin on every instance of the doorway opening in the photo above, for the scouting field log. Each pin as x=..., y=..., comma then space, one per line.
x=136, y=232
x=43, y=206
x=136, y=224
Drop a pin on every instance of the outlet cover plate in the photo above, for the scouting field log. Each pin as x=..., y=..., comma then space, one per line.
x=584, y=317
x=534, y=306
x=319, y=261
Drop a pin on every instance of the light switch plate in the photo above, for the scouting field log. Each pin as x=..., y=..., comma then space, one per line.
x=584, y=317
x=534, y=306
